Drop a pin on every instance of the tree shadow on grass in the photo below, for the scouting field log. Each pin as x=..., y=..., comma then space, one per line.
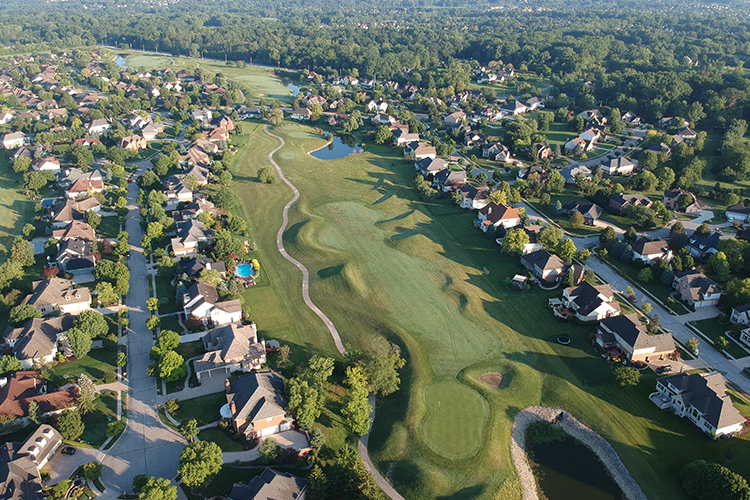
x=467, y=493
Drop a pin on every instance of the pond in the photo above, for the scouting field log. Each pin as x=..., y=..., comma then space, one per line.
x=295, y=89
x=338, y=148
x=120, y=61
x=566, y=469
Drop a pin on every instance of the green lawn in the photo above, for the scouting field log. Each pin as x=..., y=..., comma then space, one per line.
x=112, y=323
x=216, y=435
x=96, y=423
x=259, y=82
x=166, y=290
x=170, y=323
x=204, y=409
x=712, y=329
x=381, y=262
x=109, y=227
x=95, y=364
x=15, y=209
x=454, y=406
x=654, y=287
x=561, y=220
x=190, y=349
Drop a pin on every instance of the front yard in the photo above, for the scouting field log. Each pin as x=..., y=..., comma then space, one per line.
x=95, y=432
x=712, y=329
x=95, y=364
x=166, y=292
x=204, y=409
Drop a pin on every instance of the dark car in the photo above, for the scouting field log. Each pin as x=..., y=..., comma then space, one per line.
x=664, y=369
x=68, y=450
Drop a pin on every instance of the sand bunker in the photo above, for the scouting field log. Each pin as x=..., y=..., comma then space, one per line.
x=493, y=379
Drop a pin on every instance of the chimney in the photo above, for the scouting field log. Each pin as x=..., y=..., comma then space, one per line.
x=233, y=407
x=226, y=385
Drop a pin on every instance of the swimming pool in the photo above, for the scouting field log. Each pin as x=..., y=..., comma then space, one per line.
x=244, y=270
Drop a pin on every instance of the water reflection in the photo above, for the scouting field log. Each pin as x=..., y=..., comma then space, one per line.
x=339, y=147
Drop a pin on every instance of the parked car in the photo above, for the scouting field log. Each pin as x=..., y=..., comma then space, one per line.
x=632, y=299
x=68, y=450
x=664, y=369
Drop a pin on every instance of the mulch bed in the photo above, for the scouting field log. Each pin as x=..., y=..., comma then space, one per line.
x=492, y=379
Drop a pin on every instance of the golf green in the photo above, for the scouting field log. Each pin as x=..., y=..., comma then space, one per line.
x=454, y=425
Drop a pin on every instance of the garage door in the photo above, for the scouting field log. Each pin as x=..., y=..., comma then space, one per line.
x=269, y=431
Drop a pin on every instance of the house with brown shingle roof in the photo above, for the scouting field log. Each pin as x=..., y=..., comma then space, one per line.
x=230, y=348
x=201, y=301
x=270, y=485
x=496, y=215
x=257, y=403
x=626, y=332
x=58, y=295
x=21, y=388
x=697, y=289
x=651, y=251
x=76, y=230
x=82, y=187
x=73, y=210
x=133, y=143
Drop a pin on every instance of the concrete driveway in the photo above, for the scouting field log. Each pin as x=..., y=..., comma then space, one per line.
x=60, y=466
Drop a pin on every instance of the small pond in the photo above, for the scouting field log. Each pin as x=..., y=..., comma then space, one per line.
x=295, y=89
x=120, y=61
x=566, y=469
x=338, y=148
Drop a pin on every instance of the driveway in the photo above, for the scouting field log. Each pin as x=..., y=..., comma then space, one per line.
x=286, y=439
x=60, y=466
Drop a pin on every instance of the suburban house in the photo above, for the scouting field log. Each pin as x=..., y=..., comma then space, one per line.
x=193, y=267
x=450, y=180
x=69, y=176
x=544, y=265
x=543, y=151
x=631, y=118
x=73, y=210
x=19, y=389
x=651, y=251
x=671, y=196
x=403, y=137
x=738, y=212
x=270, y=485
x=570, y=173
x=454, y=119
x=195, y=156
x=133, y=143
x=496, y=215
x=14, y=140
x=75, y=257
x=231, y=348
x=86, y=142
x=703, y=399
x=740, y=315
x=591, y=303
x=696, y=289
x=58, y=295
x=227, y=123
x=98, y=126
x=526, y=172
x=189, y=234
x=687, y=134
x=514, y=108
x=76, y=230
x=203, y=115
x=384, y=119
x=590, y=211
x=699, y=246
x=178, y=193
x=301, y=114
x=377, y=106
x=623, y=201
x=593, y=115
x=745, y=336
x=82, y=187
x=533, y=245
x=430, y=166
x=497, y=152
x=592, y=134
x=619, y=166
x=48, y=163
x=20, y=464
x=37, y=339
x=474, y=197
x=579, y=143
x=201, y=301
x=218, y=134
x=420, y=150
x=533, y=103
x=152, y=130
x=626, y=333
x=256, y=402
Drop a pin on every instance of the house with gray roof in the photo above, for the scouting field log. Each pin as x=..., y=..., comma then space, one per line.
x=703, y=399
x=201, y=301
x=20, y=464
x=37, y=339
x=626, y=333
x=257, y=403
x=230, y=348
x=697, y=289
x=58, y=295
x=189, y=235
x=270, y=485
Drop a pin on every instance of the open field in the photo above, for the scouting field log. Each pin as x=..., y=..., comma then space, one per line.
x=15, y=209
x=382, y=263
x=256, y=82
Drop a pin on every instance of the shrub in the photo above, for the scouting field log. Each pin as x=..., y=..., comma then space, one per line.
x=110, y=377
x=172, y=406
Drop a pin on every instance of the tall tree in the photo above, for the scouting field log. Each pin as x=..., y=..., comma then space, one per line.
x=357, y=409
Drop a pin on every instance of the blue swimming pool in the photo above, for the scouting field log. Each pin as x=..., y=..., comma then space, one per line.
x=244, y=270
